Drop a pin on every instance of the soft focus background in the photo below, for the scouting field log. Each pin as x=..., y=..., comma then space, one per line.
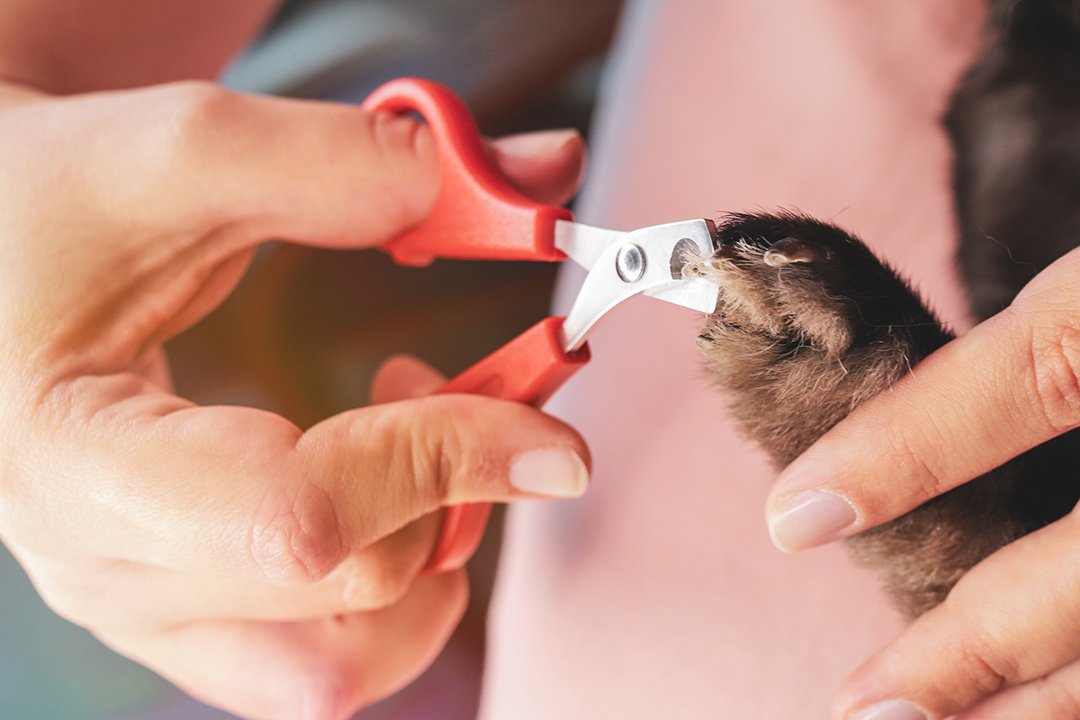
x=306, y=329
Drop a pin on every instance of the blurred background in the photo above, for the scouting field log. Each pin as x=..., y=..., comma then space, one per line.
x=306, y=329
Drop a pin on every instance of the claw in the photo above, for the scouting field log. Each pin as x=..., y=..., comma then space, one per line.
x=792, y=250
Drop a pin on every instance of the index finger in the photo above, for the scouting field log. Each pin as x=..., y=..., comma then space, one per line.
x=1011, y=383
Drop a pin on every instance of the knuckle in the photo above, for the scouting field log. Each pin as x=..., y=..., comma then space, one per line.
x=199, y=116
x=434, y=457
x=296, y=538
x=191, y=126
x=198, y=105
x=1055, y=368
x=982, y=668
x=423, y=449
x=929, y=482
x=447, y=453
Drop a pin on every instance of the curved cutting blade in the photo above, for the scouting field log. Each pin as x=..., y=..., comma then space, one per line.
x=621, y=265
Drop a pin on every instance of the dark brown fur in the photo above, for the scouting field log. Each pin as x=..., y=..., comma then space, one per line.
x=809, y=325
x=806, y=332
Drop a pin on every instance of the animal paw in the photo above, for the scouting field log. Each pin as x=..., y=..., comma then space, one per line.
x=809, y=324
x=802, y=283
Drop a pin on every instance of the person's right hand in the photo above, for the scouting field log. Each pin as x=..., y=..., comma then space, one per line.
x=266, y=570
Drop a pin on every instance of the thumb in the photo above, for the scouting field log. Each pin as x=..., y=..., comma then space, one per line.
x=312, y=172
x=386, y=465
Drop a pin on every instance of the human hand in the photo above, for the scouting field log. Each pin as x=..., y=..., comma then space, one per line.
x=1005, y=643
x=266, y=570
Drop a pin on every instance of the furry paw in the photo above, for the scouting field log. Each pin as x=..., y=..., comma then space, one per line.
x=809, y=325
x=805, y=283
x=809, y=322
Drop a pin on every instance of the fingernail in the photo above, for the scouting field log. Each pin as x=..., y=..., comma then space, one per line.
x=810, y=519
x=546, y=142
x=555, y=472
x=891, y=710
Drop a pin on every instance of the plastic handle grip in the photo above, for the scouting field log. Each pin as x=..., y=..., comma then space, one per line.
x=528, y=369
x=478, y=213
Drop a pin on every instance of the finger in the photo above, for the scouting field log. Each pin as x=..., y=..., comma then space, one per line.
x=1009, y=621
x=124, y=596
x=547, y=166
x=1008, y=385
x=1055, y=696
x=238, y=490
x=438, y=451
x=322, y=670
x=375, y=577
x=403, y=377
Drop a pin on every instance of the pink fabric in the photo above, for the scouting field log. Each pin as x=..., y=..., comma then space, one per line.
x=659, y=595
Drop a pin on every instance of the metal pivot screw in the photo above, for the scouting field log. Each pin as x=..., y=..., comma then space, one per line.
x=630, y=263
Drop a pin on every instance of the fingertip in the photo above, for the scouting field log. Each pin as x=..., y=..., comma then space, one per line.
x=404, y=377
x=810, y=519
x=557, y=472
x=861, y=693
x=513, y=451
x=548, y=166
x=889, y=710
x=862, y=698
x=541, y=145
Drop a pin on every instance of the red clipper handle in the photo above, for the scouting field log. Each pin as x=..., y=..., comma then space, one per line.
x=478, y=214
x=528, y=370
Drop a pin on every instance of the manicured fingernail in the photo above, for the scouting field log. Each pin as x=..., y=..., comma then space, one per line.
x=533, y=144
x=810, y=519
x=555, y=472
x=891, y=710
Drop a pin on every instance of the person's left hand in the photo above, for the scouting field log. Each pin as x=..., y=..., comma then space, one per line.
x=1006, y=642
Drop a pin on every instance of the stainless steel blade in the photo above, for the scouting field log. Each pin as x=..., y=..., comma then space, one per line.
x=695, y=293
x=650, y=261
x=584, y=244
